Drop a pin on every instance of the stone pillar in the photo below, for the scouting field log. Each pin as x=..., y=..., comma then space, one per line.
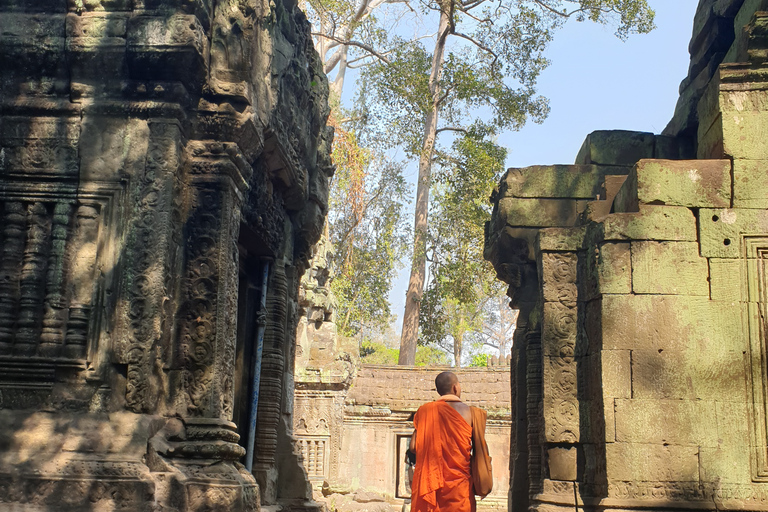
x=143, y=317
x=271, y=389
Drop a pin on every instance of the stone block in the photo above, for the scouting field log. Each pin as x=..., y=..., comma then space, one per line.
x=674, y=422
x=652, y=223
x=745, y=134
x=750, y=183
x=668, y=322
x=673, y=268
x=614, y=268
x=562, y=419
x=560, y=239
x=721, y=230
x=626, y=198
x=742, y=17
x=727, y=8
x=733, y=423
x=725, y=278
x=711, y=141
x=612, y=184
x=674, y=374
x=651, y=462
x=661, y=374
x=556, y=181
x=616, y=147
x=593, y=323
x=617, y=374
x=560, y=328
x=109, y=148
x=166, y=48
x=727, y=465
x=598, y=210
x=734, y=123
x=562, y=463
x=692, y=183
x=543, y=213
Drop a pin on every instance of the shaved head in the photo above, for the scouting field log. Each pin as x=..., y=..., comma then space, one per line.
x=444, y=383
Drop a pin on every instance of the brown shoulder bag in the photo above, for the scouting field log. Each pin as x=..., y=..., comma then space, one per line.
x=480, y=463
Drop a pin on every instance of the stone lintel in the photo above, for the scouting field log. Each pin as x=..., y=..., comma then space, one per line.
x=282, y=164
x=213, y=159
x=167, y=47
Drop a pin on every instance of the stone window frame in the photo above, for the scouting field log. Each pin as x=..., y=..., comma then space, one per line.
x=755, y=271
x=107, y=197
x=400, y=435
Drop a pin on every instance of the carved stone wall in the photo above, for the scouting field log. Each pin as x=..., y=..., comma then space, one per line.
x=639, y=370
x=153, y=157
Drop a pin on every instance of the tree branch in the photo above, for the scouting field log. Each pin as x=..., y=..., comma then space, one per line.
x=479, y=45
x=479, y=20
x=356, y=44
x=452, y=129
x=552, y=9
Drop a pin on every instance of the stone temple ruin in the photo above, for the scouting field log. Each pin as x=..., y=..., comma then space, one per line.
x=164, y=171
x=640, y=370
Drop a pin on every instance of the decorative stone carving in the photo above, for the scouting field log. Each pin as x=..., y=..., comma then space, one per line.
x=134, y=175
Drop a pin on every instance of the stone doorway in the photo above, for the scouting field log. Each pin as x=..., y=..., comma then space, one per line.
x=253, y=256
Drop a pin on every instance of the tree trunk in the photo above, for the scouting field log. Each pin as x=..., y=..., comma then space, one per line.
x=458, y=342
x=410, y=334
x=337, y=86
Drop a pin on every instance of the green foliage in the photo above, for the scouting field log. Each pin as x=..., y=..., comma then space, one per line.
x=378, y=353
x=492, y=62
x=461, y=281
x=366, y=227
x=431, y=356
x=478, y=79
x=479, y=360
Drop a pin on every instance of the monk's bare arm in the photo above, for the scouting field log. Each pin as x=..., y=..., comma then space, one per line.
x=412, y=444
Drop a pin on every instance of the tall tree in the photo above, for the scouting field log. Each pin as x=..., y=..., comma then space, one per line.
x=461, y=283
x=479, y=76
x=368, y=191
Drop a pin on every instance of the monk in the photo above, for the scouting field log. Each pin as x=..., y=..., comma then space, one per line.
x=442, y=442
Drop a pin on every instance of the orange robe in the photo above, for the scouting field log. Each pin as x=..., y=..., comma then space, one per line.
x=441, y=478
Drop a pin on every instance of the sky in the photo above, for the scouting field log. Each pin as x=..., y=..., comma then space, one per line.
x=597, y=82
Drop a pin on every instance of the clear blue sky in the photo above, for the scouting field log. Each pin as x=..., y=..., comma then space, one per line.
x=597, y=82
